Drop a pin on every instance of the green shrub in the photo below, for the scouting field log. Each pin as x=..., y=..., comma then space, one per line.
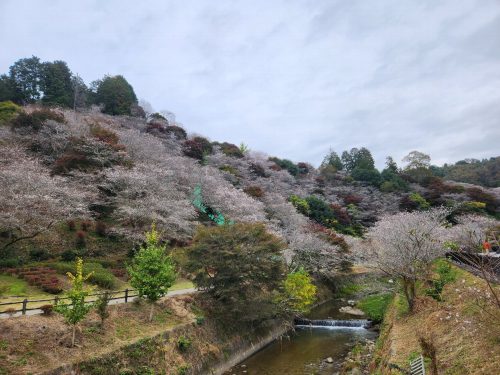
x=39, y=254
x=7, y=111
x=414, y=201
x=101, y=276
x=349, y=289
x=446, y=274
x=331, y=216
x=420, y=201
x=69, y=255
x=10, y=262
x=375, y=306
x=183, y=369
x=300, y=204
x=230, y=169
x=286, y=164
x=35, y=120
x=200, y=319
x=183, y=343
x=371, y=176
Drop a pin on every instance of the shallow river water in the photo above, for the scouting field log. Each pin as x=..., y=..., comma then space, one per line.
x=305, y=350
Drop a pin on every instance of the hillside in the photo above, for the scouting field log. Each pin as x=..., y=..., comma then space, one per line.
x=91, y=184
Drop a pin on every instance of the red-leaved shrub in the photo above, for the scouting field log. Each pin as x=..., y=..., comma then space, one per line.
x=254, y=191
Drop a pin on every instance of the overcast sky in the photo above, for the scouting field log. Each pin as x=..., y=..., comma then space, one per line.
x=290, y=78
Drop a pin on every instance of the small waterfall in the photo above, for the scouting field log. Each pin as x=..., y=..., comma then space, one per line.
x=350, y=323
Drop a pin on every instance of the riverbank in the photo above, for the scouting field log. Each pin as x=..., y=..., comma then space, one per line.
x=179, y=340
x=461, y=329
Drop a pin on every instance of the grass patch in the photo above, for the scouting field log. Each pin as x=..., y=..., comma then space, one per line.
x=349, y=289
x=375, y=306
x=12, y=286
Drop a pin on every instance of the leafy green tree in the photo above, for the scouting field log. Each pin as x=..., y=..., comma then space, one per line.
x=332, y=159
x=390, y=178
x=390, y=165
x=56, y=84
x=239, y=269
x=417, y=165
x=360, y=164
x=299, y=292
x=363, y=159
x=367, y=175
x=152, y=271
x=417, y=160
x=26, y=75
x=348, y=160
x=9, y=91
x=77, y=309
x=116, y=94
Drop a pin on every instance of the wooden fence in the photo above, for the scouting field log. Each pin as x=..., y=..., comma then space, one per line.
x=24, y=305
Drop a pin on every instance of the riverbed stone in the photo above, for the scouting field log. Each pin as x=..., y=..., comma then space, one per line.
x=351, y=310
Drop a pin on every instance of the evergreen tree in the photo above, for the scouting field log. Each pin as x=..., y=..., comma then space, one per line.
x=9, y=91
x=116, y=94
x=56, y=84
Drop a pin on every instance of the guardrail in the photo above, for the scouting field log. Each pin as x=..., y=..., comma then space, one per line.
x=24, y=304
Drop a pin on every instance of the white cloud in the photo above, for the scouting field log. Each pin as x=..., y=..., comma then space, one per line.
x=291, y=78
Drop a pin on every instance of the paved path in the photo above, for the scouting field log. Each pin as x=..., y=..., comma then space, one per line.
x=112, y=302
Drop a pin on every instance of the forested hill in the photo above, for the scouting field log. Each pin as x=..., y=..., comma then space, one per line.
x=74, y=157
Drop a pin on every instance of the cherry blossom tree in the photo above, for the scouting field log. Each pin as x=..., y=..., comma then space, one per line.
x=405, y=245
x=32, y=200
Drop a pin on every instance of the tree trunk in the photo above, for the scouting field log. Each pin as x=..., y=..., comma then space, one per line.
x=151, y=311
x=409, y=291
x=73, y=336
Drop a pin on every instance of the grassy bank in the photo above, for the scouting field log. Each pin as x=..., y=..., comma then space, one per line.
x=466, y=338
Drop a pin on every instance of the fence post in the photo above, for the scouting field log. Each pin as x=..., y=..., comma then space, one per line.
x=126, y=295
x=56, y=300
x=25, y=303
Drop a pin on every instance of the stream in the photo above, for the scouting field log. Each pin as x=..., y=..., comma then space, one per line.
x=306, y=349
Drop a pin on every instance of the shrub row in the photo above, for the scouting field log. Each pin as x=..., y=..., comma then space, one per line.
x=100, y=276
x=42, y=277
